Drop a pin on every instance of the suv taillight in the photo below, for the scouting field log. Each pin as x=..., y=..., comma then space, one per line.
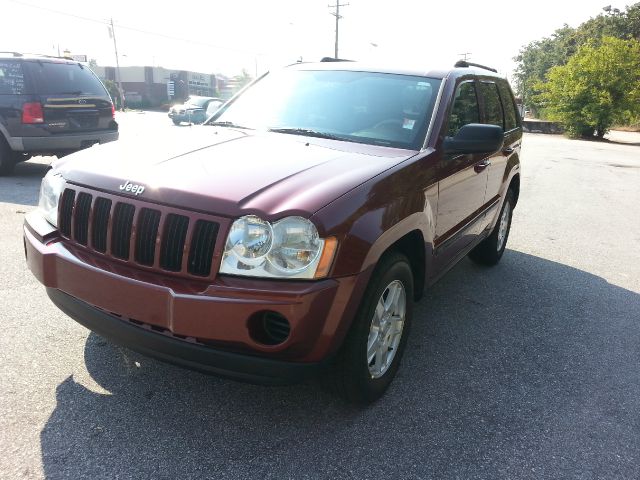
x=32, y=113
x=113, y=111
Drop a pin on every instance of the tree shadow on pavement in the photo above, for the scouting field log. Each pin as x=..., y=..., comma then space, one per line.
x=23, y=186
x=525, y=370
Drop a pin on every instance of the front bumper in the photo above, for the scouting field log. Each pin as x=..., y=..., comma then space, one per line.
x=201, y=326
x=247, y=368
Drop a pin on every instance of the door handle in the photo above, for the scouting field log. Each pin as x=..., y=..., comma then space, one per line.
x=510, y=149
x=479, y=167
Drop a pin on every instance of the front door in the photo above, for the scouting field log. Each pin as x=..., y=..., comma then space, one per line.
x=461, y=190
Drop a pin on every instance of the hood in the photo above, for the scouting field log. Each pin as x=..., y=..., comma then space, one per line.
x=230, y=172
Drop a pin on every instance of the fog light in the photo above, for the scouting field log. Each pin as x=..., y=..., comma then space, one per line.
x=269, y=328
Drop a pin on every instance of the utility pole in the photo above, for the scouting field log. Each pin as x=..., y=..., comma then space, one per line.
x=118, y=77
x=338, y=17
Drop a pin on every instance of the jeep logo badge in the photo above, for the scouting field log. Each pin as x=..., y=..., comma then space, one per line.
x=130, y=187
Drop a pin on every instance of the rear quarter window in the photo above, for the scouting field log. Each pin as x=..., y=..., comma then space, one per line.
x=52, y=78
x=11, y=78
x=508, y=104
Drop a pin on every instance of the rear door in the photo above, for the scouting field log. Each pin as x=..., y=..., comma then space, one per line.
x=499, y=109
x=73, y=99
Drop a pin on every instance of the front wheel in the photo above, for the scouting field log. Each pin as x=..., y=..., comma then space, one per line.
x=176, y=122
x=490, y=250
x=371, y=354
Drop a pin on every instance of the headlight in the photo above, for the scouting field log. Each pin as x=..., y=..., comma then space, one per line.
x=290, y=248
x=50, y=190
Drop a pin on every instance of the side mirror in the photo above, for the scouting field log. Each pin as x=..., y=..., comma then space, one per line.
x=475, y=138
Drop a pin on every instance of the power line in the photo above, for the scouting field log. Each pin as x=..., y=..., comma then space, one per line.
x=133, y=29
x=338, y=17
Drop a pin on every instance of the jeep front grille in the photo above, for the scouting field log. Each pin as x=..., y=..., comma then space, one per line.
x=134, y=232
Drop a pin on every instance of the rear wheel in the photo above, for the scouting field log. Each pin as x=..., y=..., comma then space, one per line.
x=490, y=250
x=371, y=354
x=7, y=160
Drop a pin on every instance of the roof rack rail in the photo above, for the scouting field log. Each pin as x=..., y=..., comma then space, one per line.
x=15, y=54
x=49, y=56
x=332, y=59
x=464, y=64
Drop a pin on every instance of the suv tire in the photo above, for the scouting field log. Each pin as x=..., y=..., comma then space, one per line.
x=353, y=376
x=490, y=250
x=7, y=160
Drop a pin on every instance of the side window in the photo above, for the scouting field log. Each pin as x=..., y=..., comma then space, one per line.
x=492, y=106
x=508, y=105
x=11, y=78
x=465, y=108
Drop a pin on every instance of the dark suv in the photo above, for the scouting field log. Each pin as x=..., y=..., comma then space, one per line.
x=296, y=231
x=50, y=106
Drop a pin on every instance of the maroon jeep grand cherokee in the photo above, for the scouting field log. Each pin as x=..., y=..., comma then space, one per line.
x=317, y=206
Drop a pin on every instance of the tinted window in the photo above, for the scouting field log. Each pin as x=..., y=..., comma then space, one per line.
x=213, y=106
x=492, y=106
x=510, y=113
x=365, y=107
x=197, y=101
x=465, y=108
x=64, y=78
x=11, y=78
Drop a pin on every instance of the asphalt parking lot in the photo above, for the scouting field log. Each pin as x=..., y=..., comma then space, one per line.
x=530, y=369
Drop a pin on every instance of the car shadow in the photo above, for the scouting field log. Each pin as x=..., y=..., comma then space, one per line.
x=23, y=186
x=525, y=370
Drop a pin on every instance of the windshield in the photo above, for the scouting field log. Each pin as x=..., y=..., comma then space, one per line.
x=376, y=108
x=65, y=78
x=197, y=101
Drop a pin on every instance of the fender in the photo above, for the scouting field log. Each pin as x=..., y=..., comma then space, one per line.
x=371, y=218
x=512, y=169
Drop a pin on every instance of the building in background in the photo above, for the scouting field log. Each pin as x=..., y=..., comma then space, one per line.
x=158, y=86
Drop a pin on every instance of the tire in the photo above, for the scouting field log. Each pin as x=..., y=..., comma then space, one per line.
x=491, y=249
x=7, y=160
x=352, y=375
x=176, y=122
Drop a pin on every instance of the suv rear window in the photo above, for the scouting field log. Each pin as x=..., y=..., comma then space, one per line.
x=11, y=78
x=52, y=78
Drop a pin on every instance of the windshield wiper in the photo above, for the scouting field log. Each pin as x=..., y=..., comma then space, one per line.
x=228, y=124
x=307, y=132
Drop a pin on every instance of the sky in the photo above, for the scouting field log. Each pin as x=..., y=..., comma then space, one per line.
x=228, y=36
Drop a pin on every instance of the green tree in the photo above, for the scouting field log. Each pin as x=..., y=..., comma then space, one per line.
x=112, y=88
x=536, y=58
x=598, y=87
x=243, y=79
